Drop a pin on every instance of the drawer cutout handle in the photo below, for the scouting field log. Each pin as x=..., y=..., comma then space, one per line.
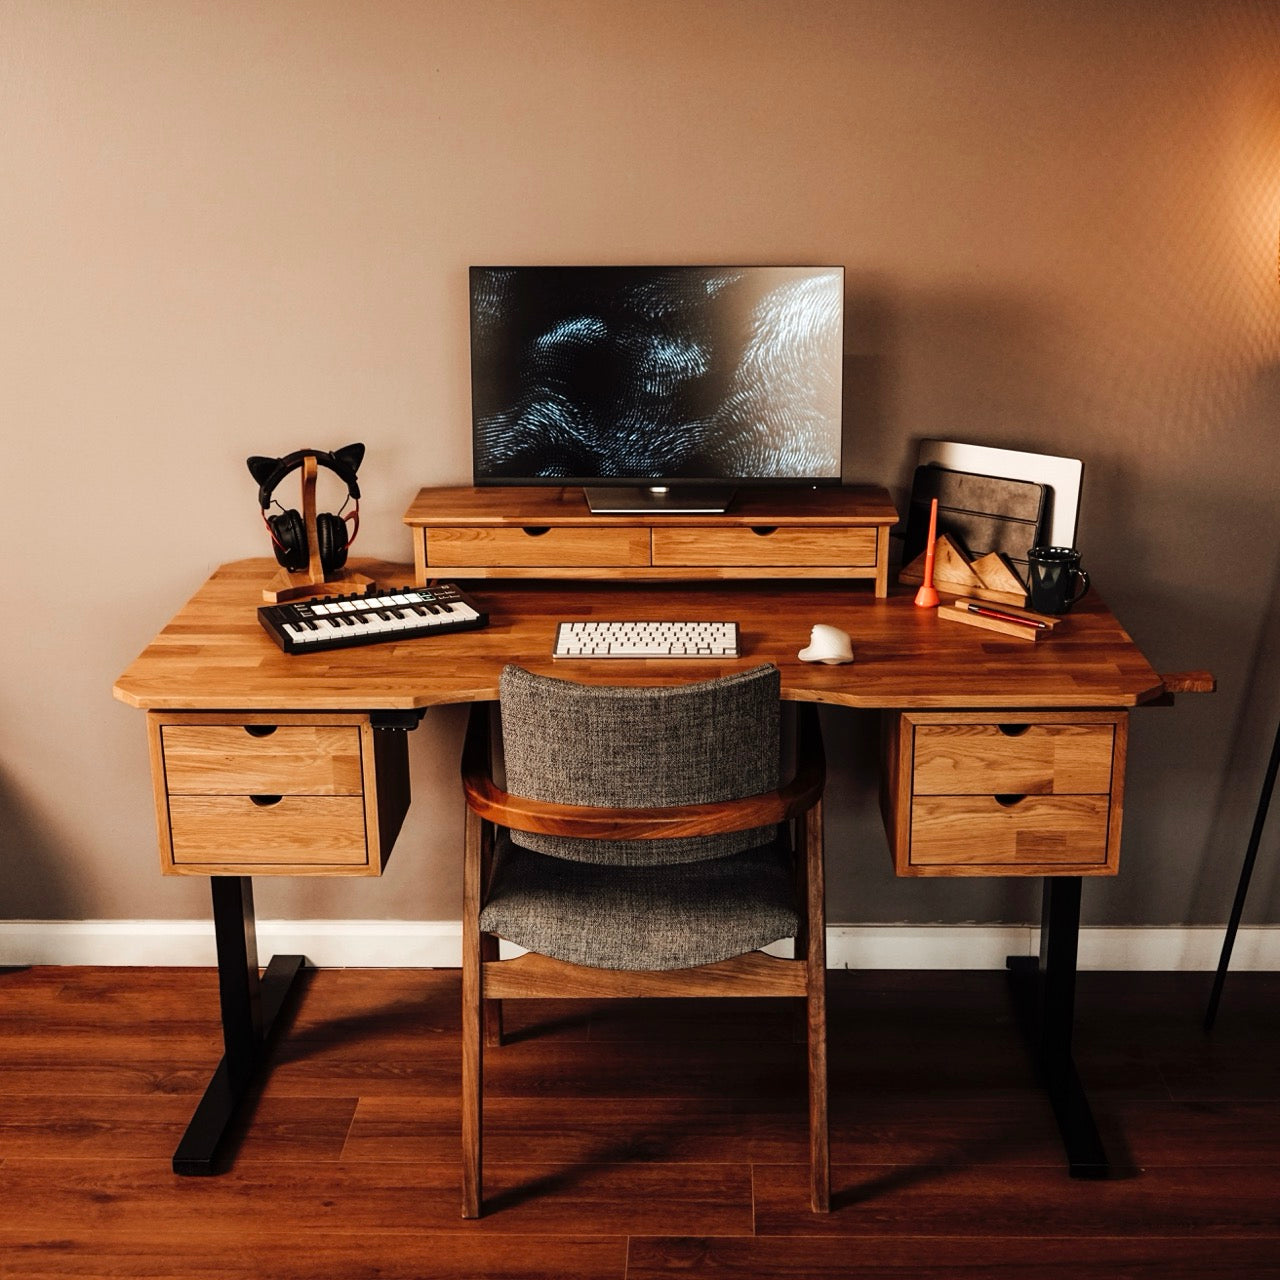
x=265, y=802
x=1007, y=800
x=535, y=530
x=1013, y=730
x=764, y=530
x=260, y=730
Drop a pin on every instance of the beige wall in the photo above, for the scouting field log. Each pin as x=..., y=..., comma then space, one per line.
x=232, y=228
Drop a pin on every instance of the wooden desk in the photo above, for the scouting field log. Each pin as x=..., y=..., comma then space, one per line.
x=215, y=656
x=239, y=728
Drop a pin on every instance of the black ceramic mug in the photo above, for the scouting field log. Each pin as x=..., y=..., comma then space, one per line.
x=1055, y=579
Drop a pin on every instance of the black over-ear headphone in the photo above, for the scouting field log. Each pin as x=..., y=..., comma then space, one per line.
x=288, y=530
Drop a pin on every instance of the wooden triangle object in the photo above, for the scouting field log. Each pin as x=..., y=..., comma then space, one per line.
x=950, y=566
x=999, y=579
x=988, y=578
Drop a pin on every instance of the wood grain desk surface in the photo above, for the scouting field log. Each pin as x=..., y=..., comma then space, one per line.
x=214, y=654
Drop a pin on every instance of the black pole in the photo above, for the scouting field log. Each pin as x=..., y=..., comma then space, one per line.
x=1242, y=889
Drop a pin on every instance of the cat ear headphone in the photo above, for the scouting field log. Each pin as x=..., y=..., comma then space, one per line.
x=288, y=530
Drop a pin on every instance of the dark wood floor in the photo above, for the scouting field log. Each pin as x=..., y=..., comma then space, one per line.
x=638, y=1140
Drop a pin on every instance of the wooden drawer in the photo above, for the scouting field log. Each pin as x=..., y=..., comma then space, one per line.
x=994, y=793
x=262, y=759
x=797, y=546
x=276, y=794
x=245, y=831
x=1020, y=757
x=975, y=831
x=537, y=546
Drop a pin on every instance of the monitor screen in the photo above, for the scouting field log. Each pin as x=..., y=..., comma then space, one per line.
x=659, y=375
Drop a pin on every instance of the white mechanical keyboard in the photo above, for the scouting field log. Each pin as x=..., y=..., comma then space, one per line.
x=646, y=640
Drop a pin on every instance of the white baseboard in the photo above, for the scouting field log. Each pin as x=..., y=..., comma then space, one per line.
x=435, y=944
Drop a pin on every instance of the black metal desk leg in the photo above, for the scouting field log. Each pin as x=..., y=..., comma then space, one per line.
x=249, y=1008
x=239, y=987
x=1045, y=991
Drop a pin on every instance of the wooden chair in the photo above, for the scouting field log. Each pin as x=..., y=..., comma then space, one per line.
x=637, y=852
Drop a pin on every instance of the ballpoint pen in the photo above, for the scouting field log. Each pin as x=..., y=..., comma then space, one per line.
x=984, y=612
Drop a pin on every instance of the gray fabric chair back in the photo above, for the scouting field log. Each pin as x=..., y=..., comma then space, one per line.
x=620, y=746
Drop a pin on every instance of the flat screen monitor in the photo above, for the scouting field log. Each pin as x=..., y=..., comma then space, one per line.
x=661, y=381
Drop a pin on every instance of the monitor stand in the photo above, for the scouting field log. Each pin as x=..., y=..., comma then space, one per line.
x=686, y=500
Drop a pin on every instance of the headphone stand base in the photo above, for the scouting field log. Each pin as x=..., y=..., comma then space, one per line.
x=287, y=586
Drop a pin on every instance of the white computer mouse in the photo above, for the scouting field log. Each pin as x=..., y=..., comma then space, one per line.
x=827, y=644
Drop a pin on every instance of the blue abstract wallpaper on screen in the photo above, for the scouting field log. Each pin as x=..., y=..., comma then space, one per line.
x=658, y=373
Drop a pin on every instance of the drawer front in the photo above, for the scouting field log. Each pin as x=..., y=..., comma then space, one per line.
x=295, y=830
x=288, y=760
x=1017, y=758
x=980, y=831
x=538, y=546
x=799, y=546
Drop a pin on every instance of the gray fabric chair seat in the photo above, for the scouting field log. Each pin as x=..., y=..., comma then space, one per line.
x=641, y=917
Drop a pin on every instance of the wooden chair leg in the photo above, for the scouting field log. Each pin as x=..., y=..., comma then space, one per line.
x=816, y=1009
x=819, y=1135
x=472, y=1054
x=492, y=1008
x=472, y=1017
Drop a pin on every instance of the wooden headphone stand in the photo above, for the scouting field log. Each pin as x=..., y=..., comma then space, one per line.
x=298, y=584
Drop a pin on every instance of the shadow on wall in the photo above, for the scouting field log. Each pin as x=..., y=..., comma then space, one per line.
x=1202, y=589
x=34, y=884
x=869, y=435
x=985, y=368
x=1252, y=737
x=1193, y=553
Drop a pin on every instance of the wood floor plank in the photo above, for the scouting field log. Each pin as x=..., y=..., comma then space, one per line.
x=133, y=1126
x=905, y=1200
x=74, y=1126
x=339, y=1004
x=48, y=1068
x=1206, y=1078
x=678, y=1125
x=402, y=1061
x=323, y=1255
x=1214, y=1133
x=48, y=1200
x=406, y=1063
x=63, y=994
x=574, y=1130
x=945, y=1258
x=710, y=1130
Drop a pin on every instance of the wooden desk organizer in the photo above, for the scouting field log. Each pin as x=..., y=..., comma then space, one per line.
x=509, y=532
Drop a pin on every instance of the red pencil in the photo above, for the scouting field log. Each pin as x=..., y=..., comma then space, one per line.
x=1007, y=617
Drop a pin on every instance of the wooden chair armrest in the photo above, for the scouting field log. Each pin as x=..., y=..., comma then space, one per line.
x=591, y=822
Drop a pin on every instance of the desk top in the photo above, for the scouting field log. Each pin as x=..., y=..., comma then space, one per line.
x=848, y=505
x=214, y=654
